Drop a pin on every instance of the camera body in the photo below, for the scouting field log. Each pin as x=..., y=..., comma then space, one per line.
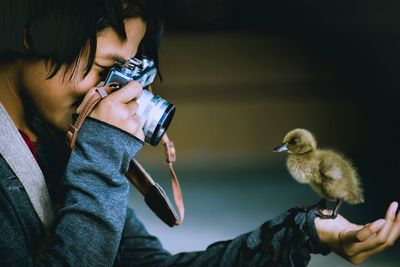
x=155, y=113
x=144, y=71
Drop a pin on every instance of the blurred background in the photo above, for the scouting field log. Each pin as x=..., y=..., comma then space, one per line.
x=242, y=74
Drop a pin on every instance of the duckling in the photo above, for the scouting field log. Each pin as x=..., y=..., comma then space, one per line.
x=329, y=173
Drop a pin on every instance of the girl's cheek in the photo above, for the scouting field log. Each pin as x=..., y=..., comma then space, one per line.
x=90, y=81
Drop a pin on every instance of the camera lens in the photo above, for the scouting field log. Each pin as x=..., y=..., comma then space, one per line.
x=163, y=125
x=156, y=115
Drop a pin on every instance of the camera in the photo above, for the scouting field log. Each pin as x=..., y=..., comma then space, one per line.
x=155, y=113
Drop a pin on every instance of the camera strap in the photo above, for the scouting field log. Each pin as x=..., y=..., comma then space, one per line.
x=154, y=195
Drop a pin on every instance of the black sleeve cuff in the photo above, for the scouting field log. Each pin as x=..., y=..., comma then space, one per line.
x=316, y=245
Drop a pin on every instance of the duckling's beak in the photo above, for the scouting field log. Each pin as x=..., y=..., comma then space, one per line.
x=281, y=148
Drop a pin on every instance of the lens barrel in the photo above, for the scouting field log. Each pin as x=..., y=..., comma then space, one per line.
x=155, y=115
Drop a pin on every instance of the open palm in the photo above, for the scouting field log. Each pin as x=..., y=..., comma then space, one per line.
x=355, y=242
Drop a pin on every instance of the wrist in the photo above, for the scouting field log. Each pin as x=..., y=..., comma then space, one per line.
x=324, y=235
x=328, y=231
x=316, y=244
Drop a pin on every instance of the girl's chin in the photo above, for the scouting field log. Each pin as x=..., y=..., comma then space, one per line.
x=61, y=124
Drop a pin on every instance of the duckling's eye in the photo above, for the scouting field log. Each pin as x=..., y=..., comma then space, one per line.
x=293, y=141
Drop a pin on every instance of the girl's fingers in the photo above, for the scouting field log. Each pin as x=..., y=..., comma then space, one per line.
x=356, y=236
x=379, y=242
x=390, y=217
x=370, y=230
x=132, y=107
x=126, y=94
x=135, y=128
x=362, y=240
x=395, y=232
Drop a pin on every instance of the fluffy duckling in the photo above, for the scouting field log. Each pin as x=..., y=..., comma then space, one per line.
x=329, y=173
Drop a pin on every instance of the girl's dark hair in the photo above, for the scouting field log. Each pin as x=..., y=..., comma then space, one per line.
x=59, y=31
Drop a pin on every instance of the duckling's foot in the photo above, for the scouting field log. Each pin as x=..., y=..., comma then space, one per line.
x=319, y=213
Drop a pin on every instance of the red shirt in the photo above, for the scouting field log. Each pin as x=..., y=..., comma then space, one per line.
x=32, y=145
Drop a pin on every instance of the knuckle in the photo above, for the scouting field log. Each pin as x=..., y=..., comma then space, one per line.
x=136, y=120
x=135, y=129
x=390, y=217
x=107, y=104
x=350, y=253
x=138, y=87
x=135, y=105
x=134, y=85
x=358, y=237
x=381, y=240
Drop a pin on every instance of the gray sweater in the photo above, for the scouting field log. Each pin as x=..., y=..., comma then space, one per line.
x=94, y=226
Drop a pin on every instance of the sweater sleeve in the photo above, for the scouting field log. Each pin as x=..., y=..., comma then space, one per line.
x=89, y=224
x=286, y=240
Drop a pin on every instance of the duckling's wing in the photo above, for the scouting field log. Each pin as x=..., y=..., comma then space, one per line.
x=330, y=169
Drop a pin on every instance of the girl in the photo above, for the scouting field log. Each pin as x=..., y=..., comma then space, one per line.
x=54, y=54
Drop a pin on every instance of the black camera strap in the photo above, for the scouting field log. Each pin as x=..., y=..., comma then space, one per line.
x=154, y=195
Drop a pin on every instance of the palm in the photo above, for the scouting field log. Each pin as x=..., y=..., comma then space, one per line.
x=339, y=227
x=357, y=242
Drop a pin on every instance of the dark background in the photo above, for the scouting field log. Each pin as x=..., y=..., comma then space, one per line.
x=242, y=74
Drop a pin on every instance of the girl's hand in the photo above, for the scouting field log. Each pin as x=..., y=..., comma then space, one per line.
x=119, y=108
x=356, y=243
